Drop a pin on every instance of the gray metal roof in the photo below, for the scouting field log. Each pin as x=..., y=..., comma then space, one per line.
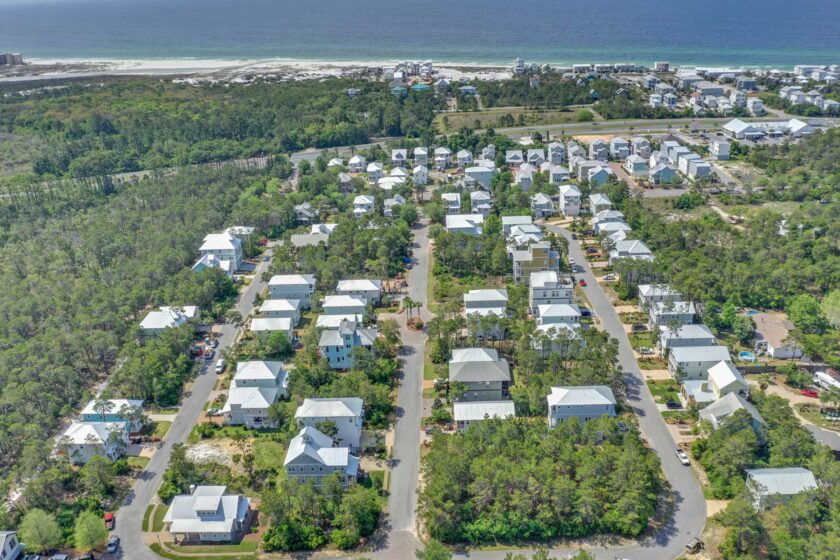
x=789, y=481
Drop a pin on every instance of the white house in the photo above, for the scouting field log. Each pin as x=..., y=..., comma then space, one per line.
x=486, y=302
x=542, y=205
x=606, y=217
x=719, y=149
x=255, y=388
x=685, y=335
x=508, y=222
x=224, y=247
x=524, y=176
x=556, y=153
x=485, y=376
x=483, y=175
x=10, y=546
x=399, y=157
x=770, y=487
x=451, y=202
x=631, y=249
x=344, y=305
x=313, y=456
x=470, y=224
x=357, y=164
x=280, y=308
x=363, y=204
x=514, y=158
x=554, y=313
x=480, y=203
x=167, y=317
x=346, y=413
x=569, y=200
x=375, y=171
x=442, y=156
x=557, y=174
x=114, y=410
x=208, y=514
x=535, y=157
x=211, y=261
x=599, y=202
x=421, y=156
x=336, y=345
x=619, y=148
x=547, y=288
x=464, y=158
x=420, y=175
x=722, y=409
x=368, y=290
x=84, y=440
x=724, y=378
x=273, y=324
x=390, y=205
x=668, y=313
x=581, y=403
x=468, y=413
x=694, y=361
x=298, y=287
x=654, y=293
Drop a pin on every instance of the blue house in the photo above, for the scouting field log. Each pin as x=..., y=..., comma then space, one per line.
x=114, y=410
x=336, y=345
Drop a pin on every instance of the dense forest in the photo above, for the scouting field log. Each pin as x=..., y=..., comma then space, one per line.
x=78, y=278
x=506, y=481
x=91, y=129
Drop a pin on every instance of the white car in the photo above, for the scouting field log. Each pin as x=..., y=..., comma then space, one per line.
x=220, y=365
x=683, y=457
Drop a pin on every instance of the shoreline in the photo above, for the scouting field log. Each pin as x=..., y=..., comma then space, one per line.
x=242, y=69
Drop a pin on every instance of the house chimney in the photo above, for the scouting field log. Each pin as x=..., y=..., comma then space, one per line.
x=192, y=488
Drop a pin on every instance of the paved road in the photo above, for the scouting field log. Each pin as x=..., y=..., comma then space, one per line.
x=130, y=515
x=401, y=540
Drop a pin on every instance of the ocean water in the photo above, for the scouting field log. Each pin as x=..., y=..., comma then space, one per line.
x=777, y=33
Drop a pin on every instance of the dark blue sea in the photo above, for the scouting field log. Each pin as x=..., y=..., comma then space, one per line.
x=777, y=33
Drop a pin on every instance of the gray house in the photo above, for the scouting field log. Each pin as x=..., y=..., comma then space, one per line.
x=770, y=487
x=313, y=456
x=484, y=374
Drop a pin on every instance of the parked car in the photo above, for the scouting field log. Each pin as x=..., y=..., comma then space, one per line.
x=609, y=276
x=694, y=546
x=109, y=520
x=574, y=236
x=582, y=282
x=209, y=353
x=638, y=327
x=585, y=312
x=683, y=457
x=220, y=365
x=211, y=342
x=266, y=259
x=673, y=405
x=59, y=557
x=113, y=544
x=809, y=393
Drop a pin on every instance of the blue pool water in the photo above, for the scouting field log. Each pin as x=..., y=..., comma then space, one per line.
x=746, y=356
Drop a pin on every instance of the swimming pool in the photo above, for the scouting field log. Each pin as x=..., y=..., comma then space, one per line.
x=751, y=312
x=746, y=356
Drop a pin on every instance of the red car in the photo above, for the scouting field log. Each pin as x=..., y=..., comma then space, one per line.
x=109, y=520
x=809, y=393
x=582, y=283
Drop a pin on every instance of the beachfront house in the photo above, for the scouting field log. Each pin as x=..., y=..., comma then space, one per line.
x=485, y=376
x=346, y=413
x=580, y=403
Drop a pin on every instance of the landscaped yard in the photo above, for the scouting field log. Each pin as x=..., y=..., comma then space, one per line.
x=811, y=413
x=160, y=551
x=268, y=454
x=633, y=318
x=138, y=463
x=665, y=390
x=157, y=517
x=160, y=428
x=642, y=339
x=652, y=363
x=239, y=548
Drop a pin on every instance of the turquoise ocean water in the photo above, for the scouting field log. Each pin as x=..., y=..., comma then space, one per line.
x=778, y=33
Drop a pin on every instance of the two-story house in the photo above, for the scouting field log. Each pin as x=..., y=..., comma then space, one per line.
x=481, y=203
x=484, y=375
x=207, y=514
x=313, y=456
x=542, y=206
x=10, y=546
x=693, y=362
x=366, y=289
x=569, y=200
x=671, y=314
x=224, y=247
x=82, y=441
x=363, y=205
x=546, y=287
x=656, y=293
x=598, y=203
x=298, y=287
x=346, y=413
x=281, y=308
x=336, y=345
x=115, y=410
x=580, y=403
x=254, y=389
x=467, y=413
x=167, y=317
x=451, y=203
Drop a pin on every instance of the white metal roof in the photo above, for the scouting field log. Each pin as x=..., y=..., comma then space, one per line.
x=713, y=353
x=479, y=410
x=597, y=395
x=787, y=481
x=271, y=324
x=347, y=407
x=292, y=280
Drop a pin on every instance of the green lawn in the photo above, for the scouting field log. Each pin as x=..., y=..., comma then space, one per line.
x=268, y=454
x=157, y=549
x=664, y=391
x=633, y=318
x=244, y=546
x=138, y=463
x=639, y=339
x=147, y=516
x=157, y=517
x=231, y=432
x=161, y=428
x=652, y=363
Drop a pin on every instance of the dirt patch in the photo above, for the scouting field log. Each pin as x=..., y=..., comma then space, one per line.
x=218, y=451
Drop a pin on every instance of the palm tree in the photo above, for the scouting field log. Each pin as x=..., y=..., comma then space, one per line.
x=764, y=381
x=408, y=304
